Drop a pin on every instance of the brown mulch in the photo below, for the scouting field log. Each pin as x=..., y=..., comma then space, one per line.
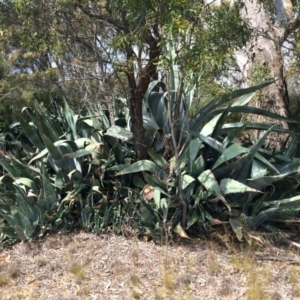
x=87, y=266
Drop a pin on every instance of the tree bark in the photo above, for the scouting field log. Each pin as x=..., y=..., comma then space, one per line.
x=138, y=89
x=136, y=114
x=264, y=61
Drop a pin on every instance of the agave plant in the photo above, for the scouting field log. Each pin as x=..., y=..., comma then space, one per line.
x=219, y=179
x=63, y=180
x=79, y=170
x=210, y=177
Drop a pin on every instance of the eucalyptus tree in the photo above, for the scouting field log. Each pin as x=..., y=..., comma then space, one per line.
x=276, y=25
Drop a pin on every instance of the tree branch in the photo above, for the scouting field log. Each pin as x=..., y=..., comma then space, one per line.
x=150, y=69
x=118, y=26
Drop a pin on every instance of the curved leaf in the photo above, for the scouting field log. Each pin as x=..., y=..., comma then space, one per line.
x=201, y=115
x=237, y=227
x=46, y=126
x=151, y=86
x=186, y=181
x=213, y=143
x=157, y=158
x=254, y=126
x=140, y=166
x=31, y=134
x=291, y=167
x=262, y=182
x=156, y=182
x=71, y=118
x=119, y=133
x=293, y=202
x=45, y=152
x=262, y=217
x=208, y=180
x=216, y=129
x=231, y=152
x=28, y=183
x=265, y=162
x=57, y=155
x=157, y=104
x=231, y=186
x=258, y=169
x=194, y=147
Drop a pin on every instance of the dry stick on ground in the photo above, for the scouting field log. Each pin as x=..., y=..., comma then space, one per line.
x=285, y=259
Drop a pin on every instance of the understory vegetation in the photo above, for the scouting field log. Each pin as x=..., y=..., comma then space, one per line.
x=63, y=171
x=135, y=120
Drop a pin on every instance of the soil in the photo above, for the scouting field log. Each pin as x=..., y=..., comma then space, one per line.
x=86, y=266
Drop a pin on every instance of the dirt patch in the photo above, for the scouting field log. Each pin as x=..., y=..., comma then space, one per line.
x=86, y=266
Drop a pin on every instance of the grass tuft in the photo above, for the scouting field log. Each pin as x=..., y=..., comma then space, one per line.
x=212, y=264
x=255, y=288
x=78, y=270
x=293, y=276
x=168, y=278
x=244, y=262
x=84, y=291
x=135, y=257
x=136, y=293
x=3, y=279
x=135, y=280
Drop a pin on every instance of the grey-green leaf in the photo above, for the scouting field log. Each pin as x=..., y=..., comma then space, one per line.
x=208, y=180
x=140, y=166
x=231, y=186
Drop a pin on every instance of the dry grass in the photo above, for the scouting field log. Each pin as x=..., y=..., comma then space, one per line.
x=78, y=270
x=3, y=279
x=86, y=266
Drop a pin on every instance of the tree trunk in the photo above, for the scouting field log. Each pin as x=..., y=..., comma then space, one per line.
x=264, y=61
x=138, y=130
x=136, y=115
x=138, y=90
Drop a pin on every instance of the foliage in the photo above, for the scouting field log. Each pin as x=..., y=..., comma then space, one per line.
x=63, y=171
x=56, y=178
x=90, y=51
x=65, y=168
x=221, y=180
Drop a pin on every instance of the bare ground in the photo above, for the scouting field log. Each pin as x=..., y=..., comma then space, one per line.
x=87, y=266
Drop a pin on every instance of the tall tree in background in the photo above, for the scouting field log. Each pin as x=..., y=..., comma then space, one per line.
x=42, y=66
x=274, y=26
